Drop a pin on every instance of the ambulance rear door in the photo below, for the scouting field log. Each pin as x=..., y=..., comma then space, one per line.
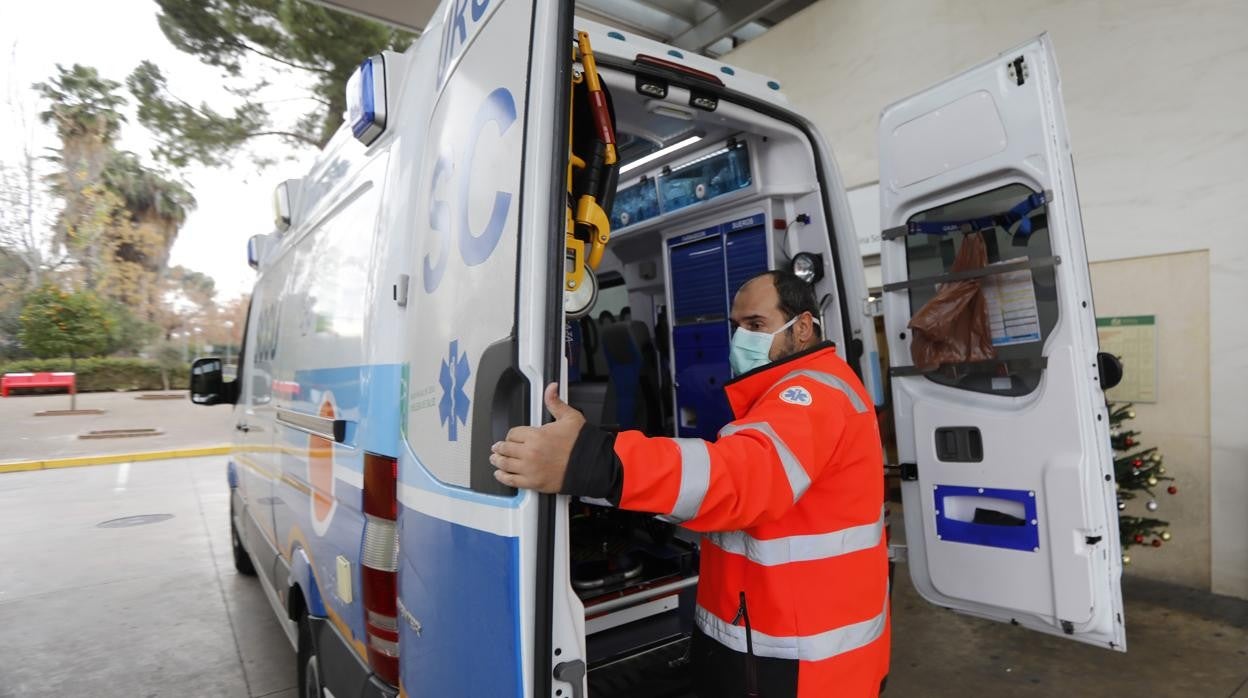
x=1002, y=429
x=477, y=197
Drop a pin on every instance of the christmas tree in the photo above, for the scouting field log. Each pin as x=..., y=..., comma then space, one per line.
x=1137, y=470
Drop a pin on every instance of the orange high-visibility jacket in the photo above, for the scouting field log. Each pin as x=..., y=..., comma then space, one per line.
x=790, y=498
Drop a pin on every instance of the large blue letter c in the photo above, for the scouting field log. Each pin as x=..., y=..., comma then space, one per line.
x=500, y=108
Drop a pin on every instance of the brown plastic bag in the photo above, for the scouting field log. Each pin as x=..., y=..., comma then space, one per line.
x=953, y=326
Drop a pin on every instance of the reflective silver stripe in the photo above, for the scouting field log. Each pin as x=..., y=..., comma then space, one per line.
x=695, y=478
x=808, y=648
x=799, y=479
x=831, y=381
x=804, y=548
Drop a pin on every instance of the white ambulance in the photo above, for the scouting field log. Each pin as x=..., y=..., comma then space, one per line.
x=433, y=271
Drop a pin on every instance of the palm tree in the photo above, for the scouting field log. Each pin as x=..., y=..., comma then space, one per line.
x=85, y=109
x=154, y=207
x=120, y=217
x=153, y=201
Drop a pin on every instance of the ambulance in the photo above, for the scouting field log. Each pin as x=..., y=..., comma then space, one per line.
x=523, y=197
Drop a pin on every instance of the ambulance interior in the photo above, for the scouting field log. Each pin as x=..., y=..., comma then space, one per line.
x=705, y=200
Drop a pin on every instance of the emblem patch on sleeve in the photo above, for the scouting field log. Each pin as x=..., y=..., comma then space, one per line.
x=797, y=395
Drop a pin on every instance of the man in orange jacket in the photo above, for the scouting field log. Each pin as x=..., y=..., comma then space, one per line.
x=793, y=593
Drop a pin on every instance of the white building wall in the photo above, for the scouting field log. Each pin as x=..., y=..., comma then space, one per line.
x=1157, y=98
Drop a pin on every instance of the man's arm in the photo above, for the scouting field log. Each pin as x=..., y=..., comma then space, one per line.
x=758, y=469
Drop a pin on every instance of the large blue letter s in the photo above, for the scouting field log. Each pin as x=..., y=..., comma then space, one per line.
x=499, y=107
x=439, y=223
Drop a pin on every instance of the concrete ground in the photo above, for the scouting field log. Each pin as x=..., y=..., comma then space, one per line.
x=23, y=436
x=157, y=609
x=151, y=610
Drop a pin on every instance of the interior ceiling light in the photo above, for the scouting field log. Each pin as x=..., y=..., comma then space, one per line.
x=660, y=153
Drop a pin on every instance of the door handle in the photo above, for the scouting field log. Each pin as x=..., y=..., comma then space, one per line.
x=500, y=401
x=572, y=672
x=242, y=426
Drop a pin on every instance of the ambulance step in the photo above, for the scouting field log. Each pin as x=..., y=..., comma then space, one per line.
x=660, y=672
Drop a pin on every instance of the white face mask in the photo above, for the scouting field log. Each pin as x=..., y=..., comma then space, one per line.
x=751, y=349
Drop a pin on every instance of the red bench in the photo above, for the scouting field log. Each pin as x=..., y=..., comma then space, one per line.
x=58, y=379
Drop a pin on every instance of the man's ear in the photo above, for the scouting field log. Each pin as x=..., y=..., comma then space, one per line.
x=802, y=329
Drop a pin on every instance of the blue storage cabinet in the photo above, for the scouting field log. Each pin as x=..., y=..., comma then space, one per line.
x=707, y=268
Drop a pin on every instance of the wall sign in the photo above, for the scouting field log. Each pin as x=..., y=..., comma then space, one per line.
x=1132, y=338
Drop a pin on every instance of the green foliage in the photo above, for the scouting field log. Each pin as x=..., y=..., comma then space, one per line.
x=146, y=191
x=102, y=374
x=196, y=133
x=10, y=327
x=239, y=36
x=169, y=355
x=128, y=334
x=56, y=323
x=82, y=103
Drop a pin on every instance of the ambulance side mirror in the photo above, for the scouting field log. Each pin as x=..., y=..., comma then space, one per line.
x=208, y=384
x=258, y=247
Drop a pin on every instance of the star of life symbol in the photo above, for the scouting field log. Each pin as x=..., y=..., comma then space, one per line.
x=797, y=395
x=453, y=407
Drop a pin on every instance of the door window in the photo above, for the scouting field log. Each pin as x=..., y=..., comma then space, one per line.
x=1021, y=304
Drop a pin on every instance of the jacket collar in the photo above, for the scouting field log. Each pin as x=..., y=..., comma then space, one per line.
x=746, y=389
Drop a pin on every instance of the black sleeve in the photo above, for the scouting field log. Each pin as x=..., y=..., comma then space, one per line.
x=593, y=468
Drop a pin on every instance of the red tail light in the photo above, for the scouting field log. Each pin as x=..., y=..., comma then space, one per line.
x=379, y=565
x=662, y=65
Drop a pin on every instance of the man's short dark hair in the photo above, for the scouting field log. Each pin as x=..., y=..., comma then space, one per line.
x=796, y=296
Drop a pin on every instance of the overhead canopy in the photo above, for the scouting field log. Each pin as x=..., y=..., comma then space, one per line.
x=412, y=15
x=711, y=27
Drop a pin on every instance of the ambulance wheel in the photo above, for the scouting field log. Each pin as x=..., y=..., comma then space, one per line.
x=309, y=666
x=242, y=561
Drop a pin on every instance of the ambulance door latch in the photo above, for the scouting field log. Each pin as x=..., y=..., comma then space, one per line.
x=1018, y=70
x=573, y=673
x=400, y=290
x=904, y=471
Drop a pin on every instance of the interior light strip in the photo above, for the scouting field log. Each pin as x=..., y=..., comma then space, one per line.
x=660, y=153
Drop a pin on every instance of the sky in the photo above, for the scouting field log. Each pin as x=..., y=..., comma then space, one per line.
x=235, y=202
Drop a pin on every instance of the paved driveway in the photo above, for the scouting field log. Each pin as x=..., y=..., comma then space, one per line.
x=148, y=610
x=23, y=436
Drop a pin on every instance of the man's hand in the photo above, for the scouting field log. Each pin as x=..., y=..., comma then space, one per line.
x=536, y=458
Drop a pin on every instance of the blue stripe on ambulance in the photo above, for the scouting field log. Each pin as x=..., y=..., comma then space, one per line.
x=368, y=398
x=469, y=609
x=461, y=583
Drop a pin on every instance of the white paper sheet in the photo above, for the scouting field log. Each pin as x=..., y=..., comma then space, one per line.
x=1012, y=314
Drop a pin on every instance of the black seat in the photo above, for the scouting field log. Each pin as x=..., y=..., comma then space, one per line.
x=633, y=399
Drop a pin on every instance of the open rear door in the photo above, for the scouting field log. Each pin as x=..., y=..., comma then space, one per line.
x=1002, y=429
x=484, y=229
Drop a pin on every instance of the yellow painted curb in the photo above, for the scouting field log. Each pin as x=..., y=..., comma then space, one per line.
x=115, y=458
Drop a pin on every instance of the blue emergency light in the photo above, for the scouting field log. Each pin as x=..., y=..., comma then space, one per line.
x=366, y=100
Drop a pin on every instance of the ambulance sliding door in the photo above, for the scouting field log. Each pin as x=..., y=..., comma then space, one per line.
x=1003, y=439
x=474, y=175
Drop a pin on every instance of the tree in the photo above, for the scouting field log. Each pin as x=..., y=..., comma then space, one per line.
x=1137, y=470
x=304, y=43
x=85, y=109
x=56, y=323
x=25, y=222
x=169, y=358
x=120, y=217
x=127, y=333
x=152, y=209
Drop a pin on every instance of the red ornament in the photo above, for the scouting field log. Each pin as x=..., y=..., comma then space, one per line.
x=1156, y=542
x=1139, y=538
x=1172, y=489
x=1137, y=463
x=1129, y=442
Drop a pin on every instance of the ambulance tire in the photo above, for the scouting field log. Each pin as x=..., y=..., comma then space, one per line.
x=242, y=561
x=307, y=663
